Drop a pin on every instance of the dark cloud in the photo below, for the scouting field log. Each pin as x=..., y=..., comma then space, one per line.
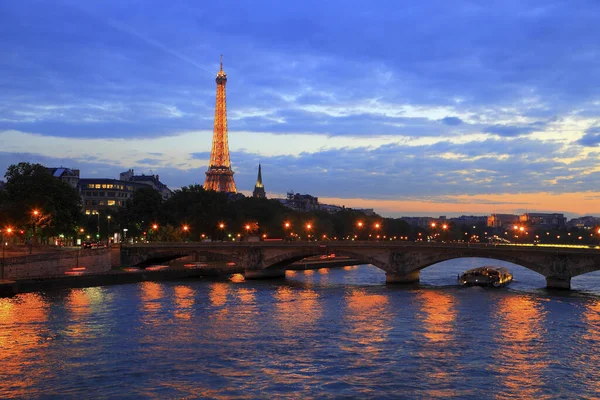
x=452, y=121
x=591, y=137
x=514, y=130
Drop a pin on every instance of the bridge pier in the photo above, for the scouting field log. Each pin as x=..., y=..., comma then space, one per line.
x=411, y=277
x=267, y=273
x=558, y=282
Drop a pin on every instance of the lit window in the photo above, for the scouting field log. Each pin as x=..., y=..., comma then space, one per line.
x=101, y=203
x=91, y=186
x=98, y=186
x=87, y=212
x=103, y=186
x=111, y=202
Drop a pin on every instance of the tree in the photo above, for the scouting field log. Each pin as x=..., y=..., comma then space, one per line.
x=29, y=188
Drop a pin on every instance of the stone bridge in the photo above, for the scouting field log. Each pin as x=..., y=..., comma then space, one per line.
x=401, y=262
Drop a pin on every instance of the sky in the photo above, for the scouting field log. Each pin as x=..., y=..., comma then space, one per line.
x=426, y=108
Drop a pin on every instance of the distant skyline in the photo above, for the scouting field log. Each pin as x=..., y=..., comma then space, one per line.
x=430, y=108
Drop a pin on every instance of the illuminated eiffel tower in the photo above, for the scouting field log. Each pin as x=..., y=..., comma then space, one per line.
x=219, y=176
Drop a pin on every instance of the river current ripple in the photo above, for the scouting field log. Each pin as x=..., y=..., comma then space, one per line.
x=329, y=333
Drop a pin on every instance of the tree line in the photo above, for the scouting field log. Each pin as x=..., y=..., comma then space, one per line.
x=42, y=209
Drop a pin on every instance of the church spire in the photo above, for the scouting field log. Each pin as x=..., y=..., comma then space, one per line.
x=259, y=189
x=259, y=178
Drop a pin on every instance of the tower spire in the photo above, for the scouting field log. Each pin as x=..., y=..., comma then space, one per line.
x=259, y=178
x=259, y=189
x=219, y=176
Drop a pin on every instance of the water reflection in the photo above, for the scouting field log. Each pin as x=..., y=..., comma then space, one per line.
x=296, y=310
x=368, y=320
x=184, y=301
x=23, y=339
x=217, y=294
x=519, y=352
x=588, y=360
x=439, y=350
x=151, y=294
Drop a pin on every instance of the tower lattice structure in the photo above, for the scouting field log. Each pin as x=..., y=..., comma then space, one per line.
x=219, y=176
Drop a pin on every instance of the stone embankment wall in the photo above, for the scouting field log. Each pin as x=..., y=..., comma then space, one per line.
x=57, y=263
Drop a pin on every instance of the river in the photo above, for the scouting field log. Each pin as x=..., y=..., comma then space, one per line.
x=329, y=333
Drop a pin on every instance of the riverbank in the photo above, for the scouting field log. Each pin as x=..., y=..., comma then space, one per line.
x=77, y=279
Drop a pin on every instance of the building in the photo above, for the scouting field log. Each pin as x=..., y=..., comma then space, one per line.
x=219, y=176
x=543, y=220
x=502, y=220
x=259, y=189
x=587, y=222
x=300, y=202
x=70, y=176
x=151, y=180
x=469, y=220
x=98, y=194
x=331, y=209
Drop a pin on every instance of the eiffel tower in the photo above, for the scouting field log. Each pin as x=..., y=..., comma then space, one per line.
x=219, y=176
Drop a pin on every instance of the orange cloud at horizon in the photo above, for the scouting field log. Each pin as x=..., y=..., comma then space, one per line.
x=581, y=203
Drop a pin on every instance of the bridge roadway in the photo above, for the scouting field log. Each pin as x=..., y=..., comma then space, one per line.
x=401, y=261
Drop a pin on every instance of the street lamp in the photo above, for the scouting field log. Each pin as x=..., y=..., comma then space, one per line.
x=308, y=228
x=222, y=228
x=359, y=225
x=108, y=230
x=124, y=235
x=377, y=226
x=4, y=244
x=35, y=215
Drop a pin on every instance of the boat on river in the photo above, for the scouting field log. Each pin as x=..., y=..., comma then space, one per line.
x=486, y=276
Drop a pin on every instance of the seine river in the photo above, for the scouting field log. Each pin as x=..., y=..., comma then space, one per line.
x=329, y=333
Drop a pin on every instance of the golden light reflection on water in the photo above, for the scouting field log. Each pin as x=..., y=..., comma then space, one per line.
x=151, y=294
x=589, y=361
x=438, y=316
x=368, y=318
x=296, y=309
x=217, y=293
x=519, y=352
x=184, y=301
x=23, y=339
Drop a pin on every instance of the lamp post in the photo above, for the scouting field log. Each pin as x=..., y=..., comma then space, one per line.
x=8, y=231
x=154, y=229
x=108, y=231
x=222, y=228
x=286, y=226
x=124, y=235
x=377, y=226
x=308, y=228
x=35, y=215
x=359, y=225
x=98, y=227
x=185, y=230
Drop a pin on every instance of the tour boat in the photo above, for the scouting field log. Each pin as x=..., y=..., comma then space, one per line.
x=486, y=276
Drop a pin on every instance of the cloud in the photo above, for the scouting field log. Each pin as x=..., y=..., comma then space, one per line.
x=453, y=107
x=591, y=137
x=514, y=130
x=452, y=121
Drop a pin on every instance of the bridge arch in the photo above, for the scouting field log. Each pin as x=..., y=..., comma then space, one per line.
x=498, y=257
x=283, y=260
x=172, y=254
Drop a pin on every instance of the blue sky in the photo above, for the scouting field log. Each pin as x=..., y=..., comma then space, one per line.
x=429, y=107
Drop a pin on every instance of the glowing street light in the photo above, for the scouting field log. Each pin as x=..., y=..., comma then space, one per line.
x=4, y=244
x=108, y=230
